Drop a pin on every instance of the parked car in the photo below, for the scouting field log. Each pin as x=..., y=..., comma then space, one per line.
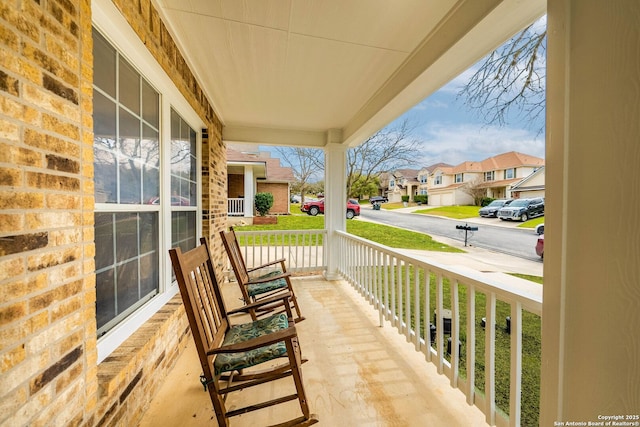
x=378, y=199
x=491, y=210
x=295, y=198
x=522, y=209
x=314, y=207
x=540, y=229
x=540, y=246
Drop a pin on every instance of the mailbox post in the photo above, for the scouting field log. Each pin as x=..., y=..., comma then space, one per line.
x=467, y=228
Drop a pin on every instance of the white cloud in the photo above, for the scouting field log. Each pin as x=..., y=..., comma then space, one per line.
x=456, y=143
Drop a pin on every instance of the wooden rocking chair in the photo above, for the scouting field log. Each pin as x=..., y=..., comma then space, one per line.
x=259, y=282
x=226, y=351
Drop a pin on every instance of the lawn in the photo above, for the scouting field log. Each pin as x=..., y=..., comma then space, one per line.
x=455, y=212
x=383, y=234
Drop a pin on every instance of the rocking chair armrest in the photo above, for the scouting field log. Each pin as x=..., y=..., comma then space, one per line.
x=282, y=298
x=272, y=338
x=268, y=279
x=269, y=264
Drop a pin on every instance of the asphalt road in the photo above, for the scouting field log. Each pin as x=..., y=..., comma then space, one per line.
x=492, y=233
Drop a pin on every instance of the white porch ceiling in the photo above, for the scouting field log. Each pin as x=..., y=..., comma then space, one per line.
x=313, y=72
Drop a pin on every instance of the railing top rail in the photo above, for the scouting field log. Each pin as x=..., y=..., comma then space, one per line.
x=258, y=232
x=530, y=296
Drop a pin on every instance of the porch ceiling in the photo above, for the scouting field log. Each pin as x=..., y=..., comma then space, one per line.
x=305, y=72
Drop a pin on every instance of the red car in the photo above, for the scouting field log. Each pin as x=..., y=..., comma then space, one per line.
x=315, y=207
x=540, y=246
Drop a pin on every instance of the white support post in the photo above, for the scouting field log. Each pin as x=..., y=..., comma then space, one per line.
x=249, y=191
x=335, y=193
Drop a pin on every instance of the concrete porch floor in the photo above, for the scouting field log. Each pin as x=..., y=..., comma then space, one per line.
x=358, y=374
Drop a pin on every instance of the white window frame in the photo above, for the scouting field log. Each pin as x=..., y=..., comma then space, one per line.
x=437, y=180
x=112, y=25
x=513, y=173
x=489, y=176
x=461, y=178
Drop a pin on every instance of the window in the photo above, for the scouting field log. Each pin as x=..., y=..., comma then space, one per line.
x=423, y=178
x=183, y=184
x=437, y=180
x=423, y=192
x=136, y=192
x=459, y=177
x=126, y=176
x=489, y=176
x=509, y=173
x=392, y=183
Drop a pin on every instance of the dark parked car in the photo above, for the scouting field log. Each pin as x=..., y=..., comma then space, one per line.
x=491, y=210
x=315, y=207
x=540, y=246
x=522, y=209
x=378, y=199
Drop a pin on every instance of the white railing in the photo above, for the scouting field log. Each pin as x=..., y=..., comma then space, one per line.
x=396, y=284
x=406, y=291
x=235, y=207
x=303, y=249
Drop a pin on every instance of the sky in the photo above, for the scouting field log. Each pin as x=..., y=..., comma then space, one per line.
x=451, y=133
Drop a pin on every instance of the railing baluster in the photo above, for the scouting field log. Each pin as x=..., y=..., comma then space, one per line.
x=455, y=334
x=416, y=307
x=516, y=365
x=471, y=343
x=407, y=300
x=439, y=324
x=427, y=313
x=489, y=360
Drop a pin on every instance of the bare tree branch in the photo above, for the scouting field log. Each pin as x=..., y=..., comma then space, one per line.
x=511, y=79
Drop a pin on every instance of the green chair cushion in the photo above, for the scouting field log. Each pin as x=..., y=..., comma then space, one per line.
x=261, y=288
x=226, y=362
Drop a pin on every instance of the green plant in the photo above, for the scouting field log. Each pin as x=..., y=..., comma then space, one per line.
x=405, y=199
x=486, y=200
x=421, y=198
x=263, y=202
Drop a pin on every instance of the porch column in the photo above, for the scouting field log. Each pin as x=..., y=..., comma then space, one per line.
x=249, y=191
x=335, y=193
x=591, y=323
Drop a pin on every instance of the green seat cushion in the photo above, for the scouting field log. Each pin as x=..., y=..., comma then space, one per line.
x=226, y=362
x=261, y=288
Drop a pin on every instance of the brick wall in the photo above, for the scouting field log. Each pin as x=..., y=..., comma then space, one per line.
x=48, y=356
x=280, y=196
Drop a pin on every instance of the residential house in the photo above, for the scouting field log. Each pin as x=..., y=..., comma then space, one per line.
x=532, y=185
x=400, y=182
x=495, y=175
x=150, y=92
x=446, y=184
x=251, y=172
x=424, y=174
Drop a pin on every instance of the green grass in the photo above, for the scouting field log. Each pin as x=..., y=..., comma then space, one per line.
x=383, y=234
x=455, y=212
x=532, y=222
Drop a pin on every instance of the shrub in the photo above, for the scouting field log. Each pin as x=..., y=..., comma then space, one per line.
x=263, y=202
x=421, y=198
x=405, y=198
x=485, y=201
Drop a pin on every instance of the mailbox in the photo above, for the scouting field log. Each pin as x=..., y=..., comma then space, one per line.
x=467, y=228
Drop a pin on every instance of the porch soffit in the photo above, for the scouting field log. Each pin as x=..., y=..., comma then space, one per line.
x=287, y=72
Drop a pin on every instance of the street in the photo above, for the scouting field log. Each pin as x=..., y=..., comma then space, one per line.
x=492, y=233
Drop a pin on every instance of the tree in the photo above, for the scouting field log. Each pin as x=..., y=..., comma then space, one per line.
x=389, y=148
x=362, y=186
x=511, y=79
x=306, y=164
x=475, y=190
